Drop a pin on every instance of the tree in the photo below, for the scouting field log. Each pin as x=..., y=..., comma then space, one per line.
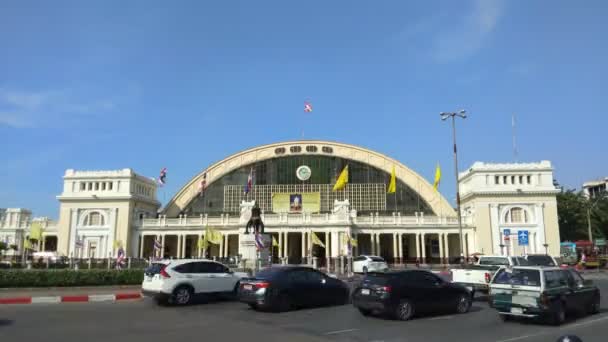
x=3, y=247
x=571, y=214
x=572, y=209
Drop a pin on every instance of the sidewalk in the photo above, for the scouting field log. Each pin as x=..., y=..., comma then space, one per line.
x=55, y=295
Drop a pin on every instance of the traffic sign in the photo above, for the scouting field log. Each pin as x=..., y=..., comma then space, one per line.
x=600, y=242
x=522, y=238
x=506, y=232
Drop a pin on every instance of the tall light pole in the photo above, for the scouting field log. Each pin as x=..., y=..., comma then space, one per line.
x=589, y=216
x=445, y=116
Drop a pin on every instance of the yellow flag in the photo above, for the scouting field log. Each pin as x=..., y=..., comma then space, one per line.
x=213, y=236
x=347, y=239
x=354, y=242
x=117, y=244
x=342, y=180
x=274, y=242
x=437, y=178
x=36, y=231
x=392, y=186
x=316, y=240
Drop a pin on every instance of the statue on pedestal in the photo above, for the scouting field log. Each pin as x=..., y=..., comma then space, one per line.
x=255, y=222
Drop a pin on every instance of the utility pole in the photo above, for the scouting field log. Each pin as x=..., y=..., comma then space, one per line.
x=445, y=116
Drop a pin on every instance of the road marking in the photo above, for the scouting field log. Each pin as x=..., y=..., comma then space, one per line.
x=101, y=298
x=440, y=318
x=569, y=326
x=46, y=300
x=339, y=331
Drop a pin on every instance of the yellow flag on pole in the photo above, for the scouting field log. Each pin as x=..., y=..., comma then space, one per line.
x=316, y=240
x=392, y=185
x=27, y=244
x=274, y=242
x=36, y=231
x=202, y=244
x=213, y=236
x=342, y=179
x=354, y=242
x=437, y=177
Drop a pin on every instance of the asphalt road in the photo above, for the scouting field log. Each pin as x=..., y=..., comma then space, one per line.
x=232, y=321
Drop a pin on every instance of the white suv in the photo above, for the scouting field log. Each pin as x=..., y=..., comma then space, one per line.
x=369, y=263
x=178, y=281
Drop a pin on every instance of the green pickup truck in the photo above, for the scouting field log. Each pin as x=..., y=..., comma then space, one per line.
x=542, y=292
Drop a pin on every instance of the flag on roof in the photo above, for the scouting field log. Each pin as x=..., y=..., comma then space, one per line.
x=342, y=180
x=437, y=177
x=307, y=107
x=249, y=184
x=162, y=177
x=392, y=186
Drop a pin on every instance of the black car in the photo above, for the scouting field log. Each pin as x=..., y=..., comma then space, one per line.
x=403, y=294
x=288, y=287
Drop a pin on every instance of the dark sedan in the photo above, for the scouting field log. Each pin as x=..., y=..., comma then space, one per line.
x=288, y=287
x=403, y=294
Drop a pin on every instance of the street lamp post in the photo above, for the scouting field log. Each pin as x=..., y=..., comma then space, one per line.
x=589, y=217
x=445, y=116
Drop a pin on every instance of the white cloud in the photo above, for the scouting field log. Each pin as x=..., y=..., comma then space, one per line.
x=19, y=108
x=463, y=38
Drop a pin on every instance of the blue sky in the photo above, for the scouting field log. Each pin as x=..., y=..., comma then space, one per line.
x=147, y=84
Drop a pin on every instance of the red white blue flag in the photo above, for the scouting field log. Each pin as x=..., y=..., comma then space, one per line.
x=249, y=184
x=259, y=244
x=157, y=245
x=120, y=257
x=203, y=185
x=162, y=177
x=307, y=107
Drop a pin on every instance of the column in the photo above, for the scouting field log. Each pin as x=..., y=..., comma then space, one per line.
x=286, y=241
x=327, y=247
x=423, y=247
x=162, y=248
x=378, y=249
x=400, y=236
x=200, y=250
x=142, y=238
x=222, y=246
x=447, y=248
x=372, y=239
x=178, y=253
x=303, y=255
x=441, y=254
x=395, y=252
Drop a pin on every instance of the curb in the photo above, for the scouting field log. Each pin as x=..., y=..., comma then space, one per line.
x=72, y=299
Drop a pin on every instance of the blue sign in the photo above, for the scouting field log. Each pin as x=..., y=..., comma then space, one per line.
x=522, y=238
x=506, y=232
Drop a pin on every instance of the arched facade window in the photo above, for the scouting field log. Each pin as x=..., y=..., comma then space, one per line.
x=94, y=219
x=517, y=215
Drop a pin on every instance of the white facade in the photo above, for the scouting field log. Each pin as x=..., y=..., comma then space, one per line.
x=15, y=226
x=512, y=198
x=592, y=189
x=98, y=207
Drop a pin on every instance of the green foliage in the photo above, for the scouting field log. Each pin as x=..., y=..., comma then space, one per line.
x=3, y=246
x=572, y=210
x=59, y=278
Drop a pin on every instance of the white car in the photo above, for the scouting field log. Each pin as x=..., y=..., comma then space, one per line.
x=369, y=263
x=179, y=281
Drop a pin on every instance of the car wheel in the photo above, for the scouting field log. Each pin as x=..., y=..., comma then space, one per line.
x=365, y=269
x=284, y=303
x=463, y=304
x=505, y=318
x=182, y=295
x=253, y=306
x=365, y=312
x=405, y=310
x=558, y=316
x=235, y=291
x=595, y=305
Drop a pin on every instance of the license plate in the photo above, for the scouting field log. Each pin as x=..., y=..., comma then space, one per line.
x=517, y=310
x=365, y=292
x=248, y=287
x=149, y=278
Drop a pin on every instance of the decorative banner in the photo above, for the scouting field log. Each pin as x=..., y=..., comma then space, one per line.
x=309, y=202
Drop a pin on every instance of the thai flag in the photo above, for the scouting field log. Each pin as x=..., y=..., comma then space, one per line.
x=120, y=257
x=249, y=184
x=157, y=245
x=162, y=177
x=307, y=107
x=79, y=243
x=258, y=242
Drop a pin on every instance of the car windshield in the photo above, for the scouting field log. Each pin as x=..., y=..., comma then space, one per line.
x=494, y=261
x=541, y=260
x=377, y=259
x=522, y=277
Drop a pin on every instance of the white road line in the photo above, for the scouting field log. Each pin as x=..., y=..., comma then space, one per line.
x=339, y=331
x=569, y=326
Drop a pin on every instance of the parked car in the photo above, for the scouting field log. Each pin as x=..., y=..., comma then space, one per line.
x=179, y=281
x=403, y=294
x=477, y=277
x=369, y=263
x=541, y=260
x=542, y=292
x=282, y=288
